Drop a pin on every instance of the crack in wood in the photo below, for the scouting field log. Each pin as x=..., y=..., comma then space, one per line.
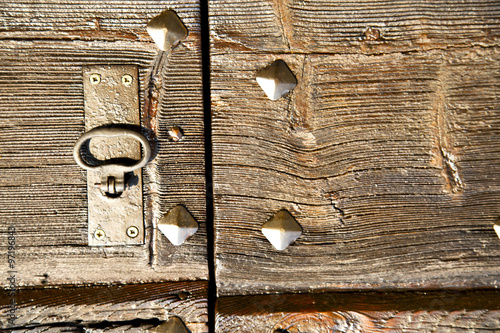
x=445, y=159
x=278, y=11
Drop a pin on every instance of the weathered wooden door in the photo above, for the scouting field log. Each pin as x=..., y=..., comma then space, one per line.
x=44, y=50
x=340, y=159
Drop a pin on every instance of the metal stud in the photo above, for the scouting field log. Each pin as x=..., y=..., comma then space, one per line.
x=127, y=80
x=167, y=30
x=175, y=133
x=496, y=227
x=372, y=34
x=178, y=225
x=276, y=80
x=173, y=325
x=281, y=230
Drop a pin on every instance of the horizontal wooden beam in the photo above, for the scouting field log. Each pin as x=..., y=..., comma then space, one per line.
x=102, y=306
x=441, y=311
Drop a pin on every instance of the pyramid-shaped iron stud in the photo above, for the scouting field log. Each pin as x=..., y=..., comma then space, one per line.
x=178, y=225
x=496, y=227
x=173, y=325
x=281, y=230
x=276, y=80
x=167, y=30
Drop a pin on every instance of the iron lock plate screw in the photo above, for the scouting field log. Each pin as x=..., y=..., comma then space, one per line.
x=127, y=80
x=95, y=78
x=99, y=234
x=132, y=232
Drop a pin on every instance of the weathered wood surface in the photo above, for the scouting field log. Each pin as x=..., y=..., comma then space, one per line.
x=43, y=46
x=120, y=20
x=344, y=26
x=136, y=327
x=458, y=311
x=125, y=308
x=390, y=164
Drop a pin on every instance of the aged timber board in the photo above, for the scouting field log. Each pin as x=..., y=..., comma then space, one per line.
x=345, y=26
x=388, y=160
x=118, y=308
x=43, y=48
x=436, y=311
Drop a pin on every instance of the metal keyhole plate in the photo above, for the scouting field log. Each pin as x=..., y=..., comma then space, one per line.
x=113, y=100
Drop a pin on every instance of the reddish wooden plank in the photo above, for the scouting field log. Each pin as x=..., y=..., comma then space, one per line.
x=435, y=311
x=106, y=307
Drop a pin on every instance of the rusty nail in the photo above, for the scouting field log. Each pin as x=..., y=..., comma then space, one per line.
x=372, y=33
x=183, y=295
x=167, y=30
x=175, y=133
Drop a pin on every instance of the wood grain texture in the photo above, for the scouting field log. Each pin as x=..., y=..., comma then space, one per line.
x=333, y=26
x=437, y=311
x=121, y=20
x=390, y=164
x=136, y=327
x=129, y=308
x=43, y=46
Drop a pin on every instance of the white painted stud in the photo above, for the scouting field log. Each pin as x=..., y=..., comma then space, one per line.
x=178, y=225
x=173, y=325
x=496, y=227
x=167, y=30
x=276, y=80
x=281, y=230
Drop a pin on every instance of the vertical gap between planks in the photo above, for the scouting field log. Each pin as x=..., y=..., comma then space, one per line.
x=205, y=52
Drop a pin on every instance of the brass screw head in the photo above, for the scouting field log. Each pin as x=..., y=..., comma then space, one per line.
x=127, y=80
x=132, y=232
x=95, y=78
x=99, y=234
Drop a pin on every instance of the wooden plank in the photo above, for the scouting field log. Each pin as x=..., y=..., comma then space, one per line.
x=136, y=326
x=390, y=164
x=342, y=26
x=438, y=311
x=43, y=47
x=82, y=265
x=107, y=308
x=122, y=20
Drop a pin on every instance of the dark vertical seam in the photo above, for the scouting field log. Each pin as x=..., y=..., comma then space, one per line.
x=205, y=54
